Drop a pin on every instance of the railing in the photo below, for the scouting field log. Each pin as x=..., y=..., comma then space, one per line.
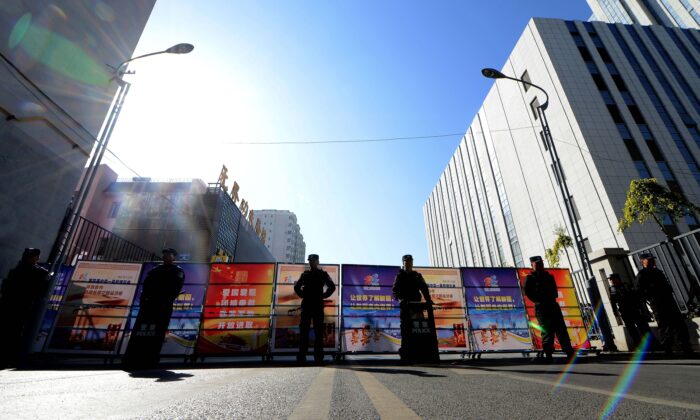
x=587, y=309
x=679, y=259
x=95, y=243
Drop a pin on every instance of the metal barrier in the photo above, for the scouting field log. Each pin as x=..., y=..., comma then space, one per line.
x=679, y=259
x=587, y=309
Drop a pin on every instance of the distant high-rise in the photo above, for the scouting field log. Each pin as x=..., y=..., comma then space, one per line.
x=679, y=13
x=284, y=238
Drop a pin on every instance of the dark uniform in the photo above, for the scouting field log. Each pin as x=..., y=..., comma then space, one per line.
x=160, y=289
x=654, y=288
x=408, y=287
x=310, y=289
x=541, y=289
x=626, y=304
x=22, y=292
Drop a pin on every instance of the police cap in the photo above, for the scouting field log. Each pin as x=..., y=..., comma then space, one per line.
x=407, y=257
x=31, y=252
x=169, y=251
x=312, y=257
x=614, y=276
x=536, y=258
x=646, y=256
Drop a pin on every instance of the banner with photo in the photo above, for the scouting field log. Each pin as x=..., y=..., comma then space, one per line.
x=96, y=307
x=287, y=315
x=496, y=310
x=449, y=310
x=568, y=302
x=183, y=328
x=237, y=309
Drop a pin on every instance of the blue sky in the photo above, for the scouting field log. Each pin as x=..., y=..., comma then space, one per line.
x=288, y=71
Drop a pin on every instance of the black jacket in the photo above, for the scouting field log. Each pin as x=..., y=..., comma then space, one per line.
x=310, y=287
x=541, y=288
x=654, y=287
x=408, y=287
x=624, y=300
x=162, y=286
x=25, y=285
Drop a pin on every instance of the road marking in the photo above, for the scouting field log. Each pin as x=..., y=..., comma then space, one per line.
x=634, y=397
x=316, y=403
x=387, y=404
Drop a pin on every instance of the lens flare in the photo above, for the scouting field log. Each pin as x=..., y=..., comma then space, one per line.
x=535, y=326
x=57, y=53
x=627, y=377
x=572, y=362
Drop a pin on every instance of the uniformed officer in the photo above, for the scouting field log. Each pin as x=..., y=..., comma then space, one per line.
x=408, y=287
x=626, y=305
x=310, y=288
x=22, y=292
x=160, y=289
x=541, y=289
x=654, y=288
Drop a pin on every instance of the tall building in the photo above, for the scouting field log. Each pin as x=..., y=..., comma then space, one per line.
x=55, y=91
x=624, y=103
x=284, y=238
x=678, y=13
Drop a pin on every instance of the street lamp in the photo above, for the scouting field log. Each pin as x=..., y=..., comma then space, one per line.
x=67, y=231
x=608, y=342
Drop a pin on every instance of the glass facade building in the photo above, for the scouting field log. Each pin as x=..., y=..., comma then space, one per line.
x=678, y=13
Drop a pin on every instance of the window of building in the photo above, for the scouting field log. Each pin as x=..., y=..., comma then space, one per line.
x=654, y=149
x=114, y=210
x=615, y=114
x=621, y=85
x=642, y=169
x=526, y=78
x=604, y=55
x=585, y=54
x=636, y=114
x=599, y=82
x=633, y=150
x=534, y=105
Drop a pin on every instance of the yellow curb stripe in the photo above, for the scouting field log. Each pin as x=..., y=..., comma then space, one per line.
x=316, y=403
x=387, y=404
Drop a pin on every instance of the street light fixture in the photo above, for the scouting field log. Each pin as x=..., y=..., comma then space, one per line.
x=608, y=342
x=76, y=207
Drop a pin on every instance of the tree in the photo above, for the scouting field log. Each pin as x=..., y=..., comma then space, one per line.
x=561, y=241
x=648, y=200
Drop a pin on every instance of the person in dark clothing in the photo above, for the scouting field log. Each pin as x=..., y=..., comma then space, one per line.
x=310, y=288
x=655, y=289
x=22, y=292
x=408, y=287
x=160, y=289
x=541, y=289
x=626, y=305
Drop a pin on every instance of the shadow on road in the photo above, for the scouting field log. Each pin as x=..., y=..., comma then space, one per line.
x=543, y=372
x=161, y=375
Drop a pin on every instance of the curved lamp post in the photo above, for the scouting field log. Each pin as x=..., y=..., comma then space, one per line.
x=608, y=341
x=66, y=234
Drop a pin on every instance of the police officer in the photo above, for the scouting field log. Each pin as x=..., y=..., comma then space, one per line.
x=310, y=288
x=541, y=289
x=626, y=305
x=408, y=287
x=22, y=291
x=160, y=289
x=654, y=288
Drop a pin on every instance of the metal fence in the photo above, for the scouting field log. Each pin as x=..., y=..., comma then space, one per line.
x=679, y=259
x=95, y=243
x=584, y=302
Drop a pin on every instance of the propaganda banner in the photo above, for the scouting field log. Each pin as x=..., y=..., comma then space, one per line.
x=287, y=315
x=183, y=328
x=237, y=309
x=496, y=311
x=569, y=306
x=95, y=308
x=445, y=285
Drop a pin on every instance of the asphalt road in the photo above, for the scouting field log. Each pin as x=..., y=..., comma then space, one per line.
x=487, y=388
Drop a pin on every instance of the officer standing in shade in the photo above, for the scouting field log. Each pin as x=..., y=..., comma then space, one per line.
x=22, y=291
x=408, y=287
x=625, y=304
x=654, y=288
x=310, y=288
x=160, y=289
x=541, y=289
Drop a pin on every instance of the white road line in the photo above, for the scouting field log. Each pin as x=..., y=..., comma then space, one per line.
x=387, y=404
x=633, y=397
x=316, y=403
